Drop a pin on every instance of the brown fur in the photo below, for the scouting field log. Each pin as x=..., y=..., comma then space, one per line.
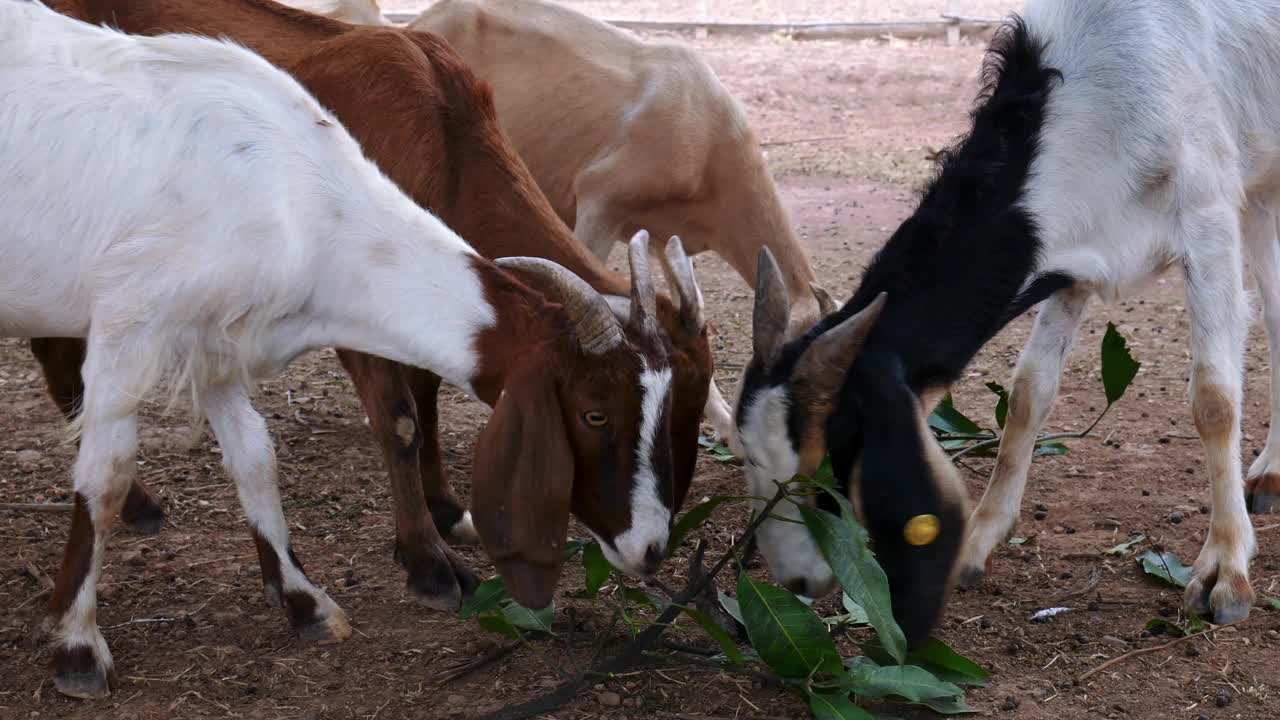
x=431, y=126
x=75, y=560
x=1214, y=413
x=623, y=134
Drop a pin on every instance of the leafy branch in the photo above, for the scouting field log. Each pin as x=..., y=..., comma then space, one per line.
x=962, y=437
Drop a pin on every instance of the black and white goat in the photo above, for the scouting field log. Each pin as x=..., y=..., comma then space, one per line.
x=216, y=240
x=1111, y=141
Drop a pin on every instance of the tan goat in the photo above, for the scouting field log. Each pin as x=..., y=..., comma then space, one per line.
x=623, y=134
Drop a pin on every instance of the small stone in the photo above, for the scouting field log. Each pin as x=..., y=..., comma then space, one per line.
x=1040, y=515
x=609, y=698
x=1011, y=703
x=1223, y=698
x=1115, y=642
x=1065, y=575
x=1042, y=507
x=1204, y=509
x=1146, y=493
x=1165, y=611
x=1192, y=650
x=1175, y=517
x=985, y=624
x=1094, y=605
x=1058, y=529
x=631, y=702
x=1081, y=638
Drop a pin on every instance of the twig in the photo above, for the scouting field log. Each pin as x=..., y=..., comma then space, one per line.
x=635, y=651
x=37, y=507
x=1095, y=577
x=471, y=665
x=800, y=141
x=763, y=677
x=1147, y=651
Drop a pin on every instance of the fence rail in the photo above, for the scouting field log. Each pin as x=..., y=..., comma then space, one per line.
x=952, y=26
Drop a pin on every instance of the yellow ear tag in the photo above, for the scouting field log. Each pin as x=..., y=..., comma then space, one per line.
x=922, y=529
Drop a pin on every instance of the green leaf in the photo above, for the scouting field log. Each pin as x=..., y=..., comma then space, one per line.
x=948, y=419
x=494, y=622
x=718, y=450
x=730, y=605
x=856, y=613
x=1118, y=366
x=844, y=545
x=936, y=655
x=1050, y=448
x=573, y=547
x=956, y=706
x=1273, y=602
x=596, y=568
x=1002, y=405
x=641, y=597
x=718, y=634
x=836, y=706
x=488, y=596
x=1125, y=547
x=1155, y=626
x=1166, y=566
x=694, y=519
x=788, y=635
x=910, y=682
x=538, y=621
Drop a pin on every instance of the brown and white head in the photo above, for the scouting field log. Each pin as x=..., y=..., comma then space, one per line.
x=587, y=433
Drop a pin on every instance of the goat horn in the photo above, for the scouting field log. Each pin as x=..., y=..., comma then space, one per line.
x=679, y=271
x=826, y=305
x=772, y=309
x=597, y=329
x=644, y=301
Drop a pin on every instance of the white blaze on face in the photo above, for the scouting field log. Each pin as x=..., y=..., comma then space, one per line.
x=766, y=448
x=650, y=517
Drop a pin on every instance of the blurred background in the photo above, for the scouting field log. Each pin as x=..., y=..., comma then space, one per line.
x=769, y=11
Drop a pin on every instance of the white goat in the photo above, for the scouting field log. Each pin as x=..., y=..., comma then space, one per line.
x=217, y=238
x=1113, y=140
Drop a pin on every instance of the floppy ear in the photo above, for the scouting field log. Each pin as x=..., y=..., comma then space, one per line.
x=522, y=487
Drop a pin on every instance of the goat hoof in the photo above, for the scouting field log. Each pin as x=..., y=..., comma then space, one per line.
x=969, y=577
x=453, y=520
x=1262, y=494
x=441, y=584
x=1224, y=597
x=141, y=513
x=78, y=673
x=330, y=630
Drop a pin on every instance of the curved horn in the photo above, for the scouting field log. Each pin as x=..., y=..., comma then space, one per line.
x=679, y=271
x=826, y=305
x=597, y=329
x=644, y=301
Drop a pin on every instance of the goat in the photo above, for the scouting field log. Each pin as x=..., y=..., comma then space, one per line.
x=359, y=12
x=320, y=249
x=623, y=134
x=1110, y=141
x=431, y=126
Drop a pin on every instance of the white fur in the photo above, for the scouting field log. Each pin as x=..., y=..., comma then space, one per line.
x=359, y=12
x=194, y=212
x=1184, y=91
x=764, y=444
x=650, y=517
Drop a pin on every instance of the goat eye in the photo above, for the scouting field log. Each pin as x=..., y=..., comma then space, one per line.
x=922, y=530
x=595, y=418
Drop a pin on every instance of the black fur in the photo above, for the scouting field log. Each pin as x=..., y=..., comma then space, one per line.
x=956, y=272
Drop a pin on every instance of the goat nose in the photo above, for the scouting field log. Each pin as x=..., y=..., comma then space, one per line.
x=653, y=558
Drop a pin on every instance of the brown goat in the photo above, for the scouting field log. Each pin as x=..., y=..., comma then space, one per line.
x=430, y=125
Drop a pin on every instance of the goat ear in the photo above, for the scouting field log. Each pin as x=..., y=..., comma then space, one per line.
x=522, y=487
x=827, y=360
x=772, y=310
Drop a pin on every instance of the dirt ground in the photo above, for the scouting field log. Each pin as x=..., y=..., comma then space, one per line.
x=767, y=10
x=849, y=127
